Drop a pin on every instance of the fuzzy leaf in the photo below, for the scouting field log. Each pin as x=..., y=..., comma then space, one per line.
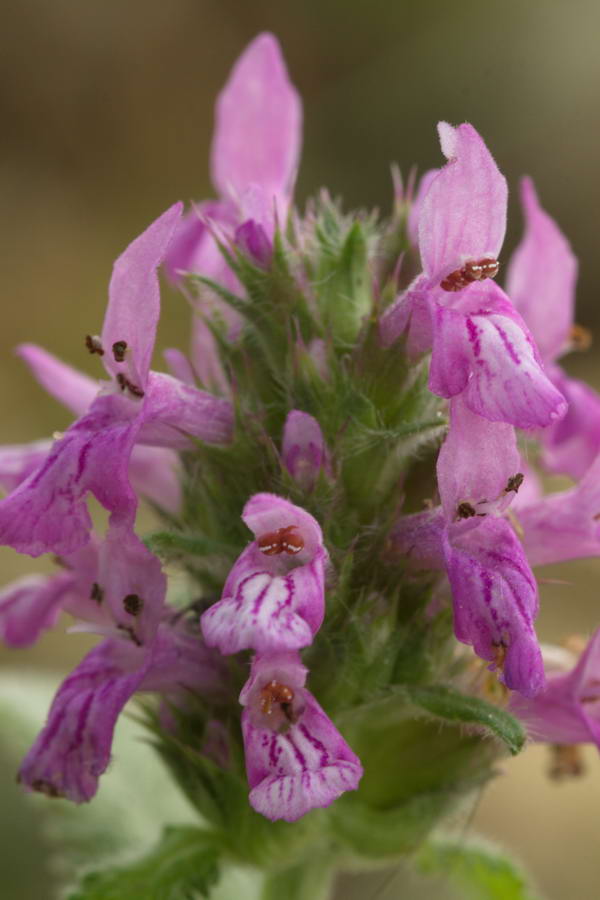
x=449, y=704
x=478, y=871
x=182, y=867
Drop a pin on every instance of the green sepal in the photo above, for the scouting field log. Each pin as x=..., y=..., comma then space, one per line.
x=452, y=706
x=183, y=866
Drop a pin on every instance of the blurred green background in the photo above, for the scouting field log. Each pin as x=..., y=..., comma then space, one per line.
x=106, y=110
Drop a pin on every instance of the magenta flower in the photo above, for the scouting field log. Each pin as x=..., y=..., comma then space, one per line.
x=47, y=511
x=274, y=596
x=480, y=345
x=296, y=759
x=303, y=449
x=568, y=710
x=73, y=749
x=541, y=282
x=254, y=160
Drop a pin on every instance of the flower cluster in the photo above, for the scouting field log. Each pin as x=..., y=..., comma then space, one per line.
x=329, y=356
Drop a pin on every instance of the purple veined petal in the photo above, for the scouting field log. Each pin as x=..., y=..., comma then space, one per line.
x=481, y=482
x=570, y=446
x=73, y=748
x=463, y=214
x=30, y=606
x=47, y=511
x=495, y=602
x=412, y=225
x=258, y=126
x=411, y=304
x=134, y=301
x=481, y=347
x=155, y=475
x=174, y=412
x=206, y=360
x=18, y=461
x=564, y=525
x=73, y=389
x=541, y=277
x=303, y=449
x=306, y=766
x=132, y=582
x=179, y=366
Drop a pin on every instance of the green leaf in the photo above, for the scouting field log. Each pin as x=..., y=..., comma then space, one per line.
x=311, y=879
x=171, y=544
x=449, y=704
x=182, y=867
x=478, y=871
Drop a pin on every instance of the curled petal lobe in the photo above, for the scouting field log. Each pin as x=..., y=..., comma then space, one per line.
x=30, y=606
x=258, y=125
x=134, y=301
x=299, y=764
x=495, y=602
x=174, y=412
x=73, y=389
x=193, y=248
x=274, y=596
x=482, y=348
x=463, y=214
x=541, y=277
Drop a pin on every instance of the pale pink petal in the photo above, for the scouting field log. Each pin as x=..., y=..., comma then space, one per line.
x=417, y=204
x=179, y=365
x=463, y=214
x=73, y=389
x=155, y=474
x=541, y=277
x=205, y=358
x=258, y=126
x=570, y=446
x=30, y=606
x=303, y=449
x=134, y=300
x=18, y=461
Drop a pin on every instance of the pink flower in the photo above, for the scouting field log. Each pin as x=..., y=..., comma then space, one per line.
x=303, y=449
x=480, y=345
x=274, y=596
x=296, y=759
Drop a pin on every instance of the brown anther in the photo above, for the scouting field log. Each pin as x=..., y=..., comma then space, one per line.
x=514, y=483
x=465, y=510
x=44, y=787
x=284, y=540
x=94, y=344
x=474, y=270
x=118, y=349
x=566, y=761
x=276, y=694
x=133, y=604
x=96, y=593
x=580, y=337
x=125, y=383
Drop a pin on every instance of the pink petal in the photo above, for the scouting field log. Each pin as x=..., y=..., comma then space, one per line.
x=479, y=478
x=73, y=389
x=179, y=366
x=303, y=449
x=570, y=446
x=205, y=358
x=541, y=277
x=30, y=606
x=258, y=126
x=134, y=300
x=463, y=215
x=417, y=205
x=174, y=412
x=155, y=474
x=481, y=347
x=18, y=461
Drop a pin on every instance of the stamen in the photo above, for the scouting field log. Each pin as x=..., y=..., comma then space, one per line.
x=96, y=593
x=124, y=382
x=465, y=510
x=276, y=694
x=285, y=540
x=118, y=349
x=133, y=604
x=94, y=344
x=470, y=272
x=514, y=483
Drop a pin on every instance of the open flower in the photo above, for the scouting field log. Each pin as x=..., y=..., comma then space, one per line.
x=274, y=596
x=296, y=759
x=480, y=345
x=47, y=511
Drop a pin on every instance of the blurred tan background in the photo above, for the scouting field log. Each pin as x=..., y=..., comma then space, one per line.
x=106, y=111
